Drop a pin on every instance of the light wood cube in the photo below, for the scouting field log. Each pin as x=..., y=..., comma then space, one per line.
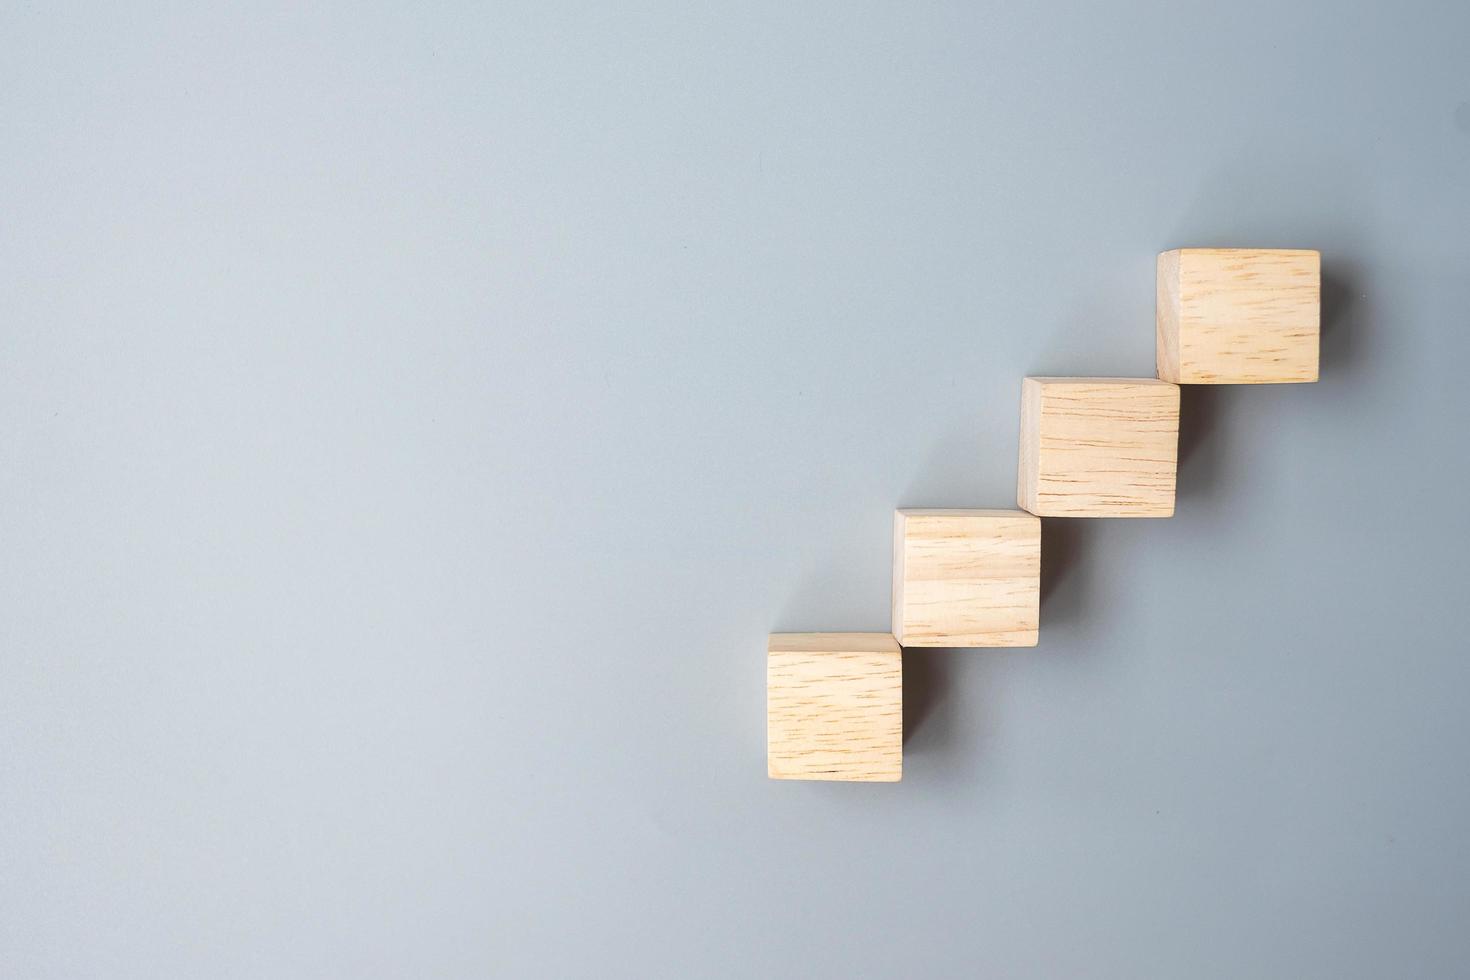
x=834, y=706
x=1098, y=447
x=1238, y=315
x=966, y=578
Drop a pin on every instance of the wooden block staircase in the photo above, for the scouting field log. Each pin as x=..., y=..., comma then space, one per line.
x=1090, y=447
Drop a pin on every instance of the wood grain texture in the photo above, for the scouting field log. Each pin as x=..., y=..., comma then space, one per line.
x=966, y=578
x=1098, y=447
x=1238, y=315
x=834, y=706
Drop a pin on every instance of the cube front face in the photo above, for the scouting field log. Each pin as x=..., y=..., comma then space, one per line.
x=966, y=578
x=1238, y=315
x=834, y=706
x=1098, y=447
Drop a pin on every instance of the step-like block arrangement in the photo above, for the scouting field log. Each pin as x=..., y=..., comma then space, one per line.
x=1090, y=447
x=966, y=578
x=834, y=706
x=1238, y=315
x=1098, y=447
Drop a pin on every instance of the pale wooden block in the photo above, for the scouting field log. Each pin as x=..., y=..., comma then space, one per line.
x=1238, y=315
x=966, y=578
x=834, y=706
x=1098, y=447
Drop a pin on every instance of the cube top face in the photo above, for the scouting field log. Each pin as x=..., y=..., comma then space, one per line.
x=966, y=578
x=1238, y=315
x=834, y=706
x=1098, y=447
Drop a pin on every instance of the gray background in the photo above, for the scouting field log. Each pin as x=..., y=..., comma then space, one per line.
x=415, y=418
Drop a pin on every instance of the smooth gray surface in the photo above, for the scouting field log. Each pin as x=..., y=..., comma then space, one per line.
x=413, y=421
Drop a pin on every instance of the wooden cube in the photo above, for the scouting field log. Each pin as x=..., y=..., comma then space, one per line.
x=834, y=706
x=966, y=578
x=1238, y=315
x=1098, y=447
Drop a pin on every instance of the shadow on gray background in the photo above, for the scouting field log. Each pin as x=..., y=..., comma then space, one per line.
x=927, y=675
